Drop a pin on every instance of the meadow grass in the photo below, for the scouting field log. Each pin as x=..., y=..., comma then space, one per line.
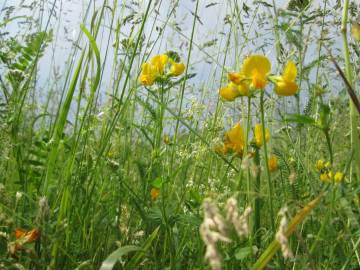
x=102, y=169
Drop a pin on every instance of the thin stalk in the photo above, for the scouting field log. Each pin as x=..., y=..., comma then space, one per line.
x=266, y=162
x=257, y=203
x=355, y=140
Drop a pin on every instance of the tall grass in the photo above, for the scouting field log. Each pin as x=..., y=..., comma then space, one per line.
x=84, y=144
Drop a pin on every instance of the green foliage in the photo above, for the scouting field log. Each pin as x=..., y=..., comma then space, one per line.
x=83, y=145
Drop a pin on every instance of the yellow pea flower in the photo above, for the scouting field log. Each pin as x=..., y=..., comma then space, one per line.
x=159, y=62
x=326, y=177
x=256, y=69
x=230, y=92
x=176, y=69
x=147, y=76
x=338, y=177
x=234, y=140
x=258, y=135
x=285, y=84
x=236, y=78
x=273, y=164
x=154, y=194
x=320, y=164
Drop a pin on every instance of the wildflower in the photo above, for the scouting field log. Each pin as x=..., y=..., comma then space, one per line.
x=326, y=177
x=273, y=164
x=24, y=236
x=320, y=165
x=240, y=222
x=212, y=230
x=154, y=194
x=160, y=66
x=239, y=80
x=147, y=76
x=176, y=69
x=158, y=63
x=338, y=177
x=281, y=234
x=232, y=91
x=229, y=92
x=256, y=69
x=18, y=196
x=285, y=84
x=234, y=140
x=258, y=135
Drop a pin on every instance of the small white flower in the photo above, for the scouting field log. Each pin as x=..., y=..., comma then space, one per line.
x=18, y=196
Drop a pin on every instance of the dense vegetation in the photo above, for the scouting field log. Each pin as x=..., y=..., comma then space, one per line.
x=157, y=145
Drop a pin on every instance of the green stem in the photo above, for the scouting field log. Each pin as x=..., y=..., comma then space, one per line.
x=246, y=146
x=328, y=141
x=355, y=140
x=257, y=204
x=266, y=161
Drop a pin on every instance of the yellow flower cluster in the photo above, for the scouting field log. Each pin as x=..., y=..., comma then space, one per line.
x=326, y=174
x=255, y=74
x=160, y=67
x=234, y=139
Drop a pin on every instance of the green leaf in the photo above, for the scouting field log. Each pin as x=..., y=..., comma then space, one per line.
x=299, y=118
x=157, y=183
x=243, y=253
x=115, y=257
x=86, y=265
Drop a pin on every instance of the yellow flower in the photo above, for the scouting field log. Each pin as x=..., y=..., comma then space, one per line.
x=258, y=135
x=234, y=140
x=230, y=92
x=285, y=84
x=236, y=78
x=176, y=69
x=154, y=194
x=273, y=164
x=338, y=177
x=256, y=69
x=147, y=76
x=326, y=177
x=355, y=31
x=159, y=62
x=320, y=164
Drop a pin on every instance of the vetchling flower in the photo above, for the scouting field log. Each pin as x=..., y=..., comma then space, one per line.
x=258, y=135
x=326, y=176
x=147, y=76
x=26, y=236
x=232, y=91
x=285, y=84
x=23, y=237
x=176, y=69
x=159, y=66
x=338, y=177
x=158, y=62
x=234, y=140
x=255, y=69
x=154, y=194
x=273, y=163
x=320, y=165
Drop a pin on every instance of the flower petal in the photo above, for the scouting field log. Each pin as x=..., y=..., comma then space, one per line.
x=285, y=88
x=230, y=92
x=258, y=63
x=290, y=71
